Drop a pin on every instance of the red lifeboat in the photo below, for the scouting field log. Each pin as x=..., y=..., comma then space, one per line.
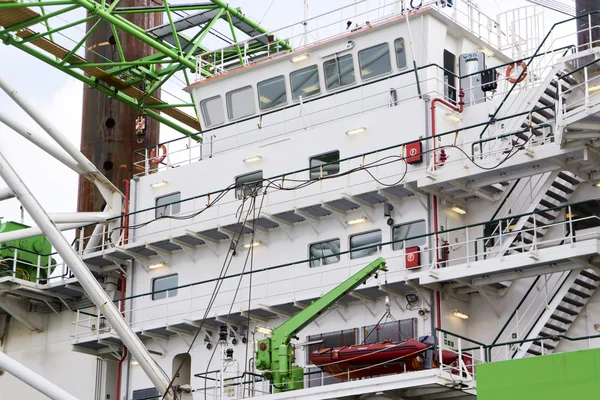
x=360, y=361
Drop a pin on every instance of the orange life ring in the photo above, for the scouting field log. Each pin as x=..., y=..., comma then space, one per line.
x=157, y=160
x=509, y=76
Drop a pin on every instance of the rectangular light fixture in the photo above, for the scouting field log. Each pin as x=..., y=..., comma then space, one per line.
x=487, y=52
x=356, y=131
x=157, y=265
x=459, y=210
x=460, y=314
x=264, y=330
x=158, y=184
x=597, y=184
x=453, y=117
x=357, y=221
x=252, y=159
x=134, y=362
x=256, y=243
x=300, y=57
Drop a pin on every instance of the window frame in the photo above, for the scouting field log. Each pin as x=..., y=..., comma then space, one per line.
x=336, y=60
x=166, y=292
x=227, y=97
x=258, y=93
x=378, y=248
x=310, y=168
x=395, y=244
x=292, y=86
x=360, y=67
x=202, y=108
x=405, y=54
x=167, y=207
x=239, y=189
x=320, y=260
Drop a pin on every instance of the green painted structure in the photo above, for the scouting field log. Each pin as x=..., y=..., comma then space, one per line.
x=573, y=375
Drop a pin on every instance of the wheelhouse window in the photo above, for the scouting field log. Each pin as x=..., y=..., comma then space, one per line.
x=271, y=93
x=167, y=205
x=240, y=103
x=405, y=231
x=400, y=53
x=339, y=72
x=212, y=111
x=165, y=286
x=325, y=165
x=374, y=61
x=305, y=82
x=365, y=244
x=248, y=184
x=327, y=253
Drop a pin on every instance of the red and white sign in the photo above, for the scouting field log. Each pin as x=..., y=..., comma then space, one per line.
x=413, y=257
x=413, y=153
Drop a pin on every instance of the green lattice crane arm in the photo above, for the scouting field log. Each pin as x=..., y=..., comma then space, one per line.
x=275, y=355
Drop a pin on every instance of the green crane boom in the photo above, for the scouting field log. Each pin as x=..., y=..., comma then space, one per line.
x=275, y=355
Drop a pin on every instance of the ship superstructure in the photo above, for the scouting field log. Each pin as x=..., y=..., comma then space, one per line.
x=460, y=148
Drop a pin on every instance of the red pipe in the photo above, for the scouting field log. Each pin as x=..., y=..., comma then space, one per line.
x=123, y=282
x=460, y=109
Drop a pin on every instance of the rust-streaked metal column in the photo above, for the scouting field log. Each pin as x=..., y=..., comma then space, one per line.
x=108, y=130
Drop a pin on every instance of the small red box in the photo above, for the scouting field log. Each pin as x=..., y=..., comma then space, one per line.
x=413, y=153
x=413, y=257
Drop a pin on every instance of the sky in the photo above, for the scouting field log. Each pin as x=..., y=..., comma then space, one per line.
x=59, y=98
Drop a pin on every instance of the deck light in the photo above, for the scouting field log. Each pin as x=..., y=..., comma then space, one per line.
x=487, y=52
x=356, y=131
x=594, y=88
x=597, y=184
x=157, y=265
x=134, y=362
x=252, y=244
x=300, y=57
x=264, y=330
x=158, y=184
x=460, y=315
x=459, y=210
x=453, y=117
x=252, y=159
x=357, y=221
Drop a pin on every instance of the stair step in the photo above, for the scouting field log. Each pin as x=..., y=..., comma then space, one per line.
x=590, y=275
x=568, y=178
x=566, y=78
x=523, y=239
x=562, y=187
x=549, y=91
x=563, y=87
x=536, y=120
x=545, y=214
x=585, y=284
x=547, y=114
x=534, y=352
x=538, y=224
x=546, y=334
x=579, y=293
x=524, y=137
x=517, y=145
x=547, y=204
x=555, y=328
x=556, y=196
x=566, y=310
x=561, y=319
x=544, y=345
x=530, y=232
x=545, y=102
x=572, y=302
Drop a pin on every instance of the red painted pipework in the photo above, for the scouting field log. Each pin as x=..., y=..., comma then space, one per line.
x=460, y=109
x=123, y=282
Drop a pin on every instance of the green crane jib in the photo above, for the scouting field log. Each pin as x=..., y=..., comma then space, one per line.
x=275, y=355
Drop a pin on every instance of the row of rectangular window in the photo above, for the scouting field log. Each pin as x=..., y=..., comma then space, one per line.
x=339, y=72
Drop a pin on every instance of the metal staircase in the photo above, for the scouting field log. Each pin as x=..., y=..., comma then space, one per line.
x=560, y=313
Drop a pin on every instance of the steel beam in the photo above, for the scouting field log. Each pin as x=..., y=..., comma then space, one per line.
x=6, y=193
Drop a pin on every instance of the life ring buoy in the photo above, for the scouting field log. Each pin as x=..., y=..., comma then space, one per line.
x=509, y=76
x=158, y=159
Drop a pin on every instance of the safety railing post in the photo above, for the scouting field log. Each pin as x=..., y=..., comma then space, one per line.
x=571, y=232
x=39, y=266
x=587, y=87
x=440, y=341
x=146, y=162
x=14, y=263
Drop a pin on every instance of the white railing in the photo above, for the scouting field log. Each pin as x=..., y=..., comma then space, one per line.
x=45, y=272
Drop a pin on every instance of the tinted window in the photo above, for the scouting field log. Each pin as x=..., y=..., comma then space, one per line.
x=339, y=72
x=240, y=103
x=212, y=111
x=365, y=244
x=324, y=251
x=164, y=283
x=248, y=184
x=410, y=230
x=331, y=168
x=164, y=206
x=374, y=61
x=271, y=93
x=305, y=82
x=400, y=53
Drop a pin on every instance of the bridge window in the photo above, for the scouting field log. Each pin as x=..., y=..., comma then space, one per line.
x=271, y=93
x=325, y=165
x=248, y=184
x=305, y=82
x=401, y=232
x=165, y=206
x=374, y=61
x=212, y=111
x=400, y=53
x=168, y=284
x=365, y=244
x=240, y=103
x=327, y=253
x=339, y=72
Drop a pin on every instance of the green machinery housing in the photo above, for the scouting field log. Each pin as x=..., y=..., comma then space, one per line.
x=275, y=355
x=21, y=257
